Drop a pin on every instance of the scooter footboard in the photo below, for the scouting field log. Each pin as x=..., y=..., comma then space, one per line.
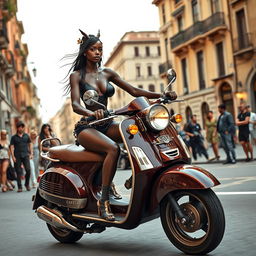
x=181, y=177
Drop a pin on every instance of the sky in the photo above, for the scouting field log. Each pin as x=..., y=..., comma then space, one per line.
x=51, y=31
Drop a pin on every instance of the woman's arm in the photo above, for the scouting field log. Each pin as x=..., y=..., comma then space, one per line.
x=75, y=96
x=135, y=92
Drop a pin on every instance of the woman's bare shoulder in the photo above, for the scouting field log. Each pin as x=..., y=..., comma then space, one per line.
x=75, y=74
x=107, y=70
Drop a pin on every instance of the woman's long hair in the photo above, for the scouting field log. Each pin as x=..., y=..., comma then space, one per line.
x=79, y=64
x=42, y=134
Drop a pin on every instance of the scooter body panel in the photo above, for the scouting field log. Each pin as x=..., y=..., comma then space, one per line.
x=181, y=177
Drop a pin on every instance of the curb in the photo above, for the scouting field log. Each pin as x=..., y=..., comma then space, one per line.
x=222, y=161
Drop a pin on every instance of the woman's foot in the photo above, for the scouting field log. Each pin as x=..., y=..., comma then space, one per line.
x=4, y=188
x=104, y=210
x=113, y=192
x=128, y=183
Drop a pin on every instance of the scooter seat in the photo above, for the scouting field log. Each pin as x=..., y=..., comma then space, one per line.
x=73, y=153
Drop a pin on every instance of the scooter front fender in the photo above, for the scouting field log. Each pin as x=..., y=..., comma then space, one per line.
x=181, y=177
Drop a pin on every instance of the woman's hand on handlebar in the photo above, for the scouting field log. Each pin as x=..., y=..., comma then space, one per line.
x=171, y=95
x=99, y=114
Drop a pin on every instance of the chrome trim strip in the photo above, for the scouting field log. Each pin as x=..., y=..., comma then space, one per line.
x=74, y=203
x=174, y=150
x=132, y=192
x=142, y=159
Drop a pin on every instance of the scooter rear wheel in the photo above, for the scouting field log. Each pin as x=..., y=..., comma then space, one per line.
x=205, y=224
x=65, y=235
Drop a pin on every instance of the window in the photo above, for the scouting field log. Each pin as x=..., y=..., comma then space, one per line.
x=220, y=59
x=149, y=71
x=215, y=6
x=136, y=51
x=147, y=51
x=140, y=86
x=243, y=41
x=138, y=74
x=180, y=23
x=151, y=88
x=195, y=11
x=200, y=68
x=158, y=50
x=163, y=14
x=184, y=75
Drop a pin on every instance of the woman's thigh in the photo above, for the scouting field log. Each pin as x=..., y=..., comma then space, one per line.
x=96, y=141
x=114, y=133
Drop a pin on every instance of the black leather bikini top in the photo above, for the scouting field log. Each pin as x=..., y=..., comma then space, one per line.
x=84, y=86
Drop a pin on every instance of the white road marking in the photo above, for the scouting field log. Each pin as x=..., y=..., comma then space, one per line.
x=237, y=193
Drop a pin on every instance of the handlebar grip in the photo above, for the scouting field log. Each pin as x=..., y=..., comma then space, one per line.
x=92, y=118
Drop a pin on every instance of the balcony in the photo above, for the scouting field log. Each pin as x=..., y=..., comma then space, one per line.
x=200, y=29
x=164, y=67
x=4, y=41
x=243, y=44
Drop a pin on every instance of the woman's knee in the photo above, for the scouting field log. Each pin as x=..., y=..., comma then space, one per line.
x=114, y=149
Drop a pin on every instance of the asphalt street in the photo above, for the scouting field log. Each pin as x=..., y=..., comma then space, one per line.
x=22, y=233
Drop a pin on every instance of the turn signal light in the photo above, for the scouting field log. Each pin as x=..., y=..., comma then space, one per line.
x=133, y=129
x=177, y=118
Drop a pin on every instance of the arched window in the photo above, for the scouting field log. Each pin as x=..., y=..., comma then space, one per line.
x=204, y=109
x=188, y=113
x=151, y=88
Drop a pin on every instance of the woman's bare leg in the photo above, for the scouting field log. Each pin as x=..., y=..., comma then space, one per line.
x=96, y=141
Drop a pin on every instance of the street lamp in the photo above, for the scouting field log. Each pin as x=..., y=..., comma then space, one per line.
x=34, y=71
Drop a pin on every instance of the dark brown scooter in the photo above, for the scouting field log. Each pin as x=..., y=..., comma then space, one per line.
x=164, y=183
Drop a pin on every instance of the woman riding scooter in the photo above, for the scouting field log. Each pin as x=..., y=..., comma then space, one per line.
x=101, y=138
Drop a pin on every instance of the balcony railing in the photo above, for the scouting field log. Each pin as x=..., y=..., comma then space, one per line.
x=199, y=28
x=244, y=41
x=164, y=67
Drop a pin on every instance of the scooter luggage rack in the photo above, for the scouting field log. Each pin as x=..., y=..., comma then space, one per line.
x=45, y=155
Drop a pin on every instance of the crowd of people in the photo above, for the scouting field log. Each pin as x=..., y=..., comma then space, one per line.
x=20, y=156
x=222, y=131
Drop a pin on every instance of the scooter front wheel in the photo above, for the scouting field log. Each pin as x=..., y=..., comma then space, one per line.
x=65, y=235
x=205, y=221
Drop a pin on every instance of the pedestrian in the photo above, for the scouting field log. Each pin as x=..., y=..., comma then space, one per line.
x=4, y=159
x=242, y=122
x=226, y=129
x=193, y=130
x=252, y=124
x=33, y=175
x=34, y=140
x=212, y=134
x=21, y=152
x=46, y=133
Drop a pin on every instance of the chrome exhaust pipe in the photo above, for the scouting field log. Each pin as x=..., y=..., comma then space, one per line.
x=55, y=218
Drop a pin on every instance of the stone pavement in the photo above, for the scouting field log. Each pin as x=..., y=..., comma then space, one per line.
x=240, y=155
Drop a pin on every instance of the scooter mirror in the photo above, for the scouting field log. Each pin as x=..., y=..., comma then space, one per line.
x=90, y=97
x=171, y=75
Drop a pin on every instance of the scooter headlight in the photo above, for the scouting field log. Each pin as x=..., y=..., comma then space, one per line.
x=158, y=117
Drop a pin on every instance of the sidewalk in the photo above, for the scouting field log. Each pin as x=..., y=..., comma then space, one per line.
x=240, y=155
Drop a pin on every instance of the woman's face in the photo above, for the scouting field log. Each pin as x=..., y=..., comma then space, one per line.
x=210, y=115
x=3, y=134
x=94, y=52
x=46, y=129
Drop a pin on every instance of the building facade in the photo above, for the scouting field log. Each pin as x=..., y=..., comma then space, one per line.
x=136, y=59
x=243, y=20
x=64, y=121
x=18, y=95
x=197, y=41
